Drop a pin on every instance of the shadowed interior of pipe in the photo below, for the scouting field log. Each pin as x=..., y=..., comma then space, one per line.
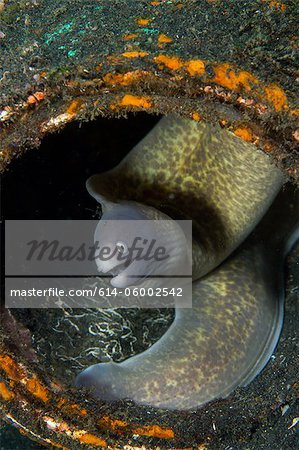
x=49, y=183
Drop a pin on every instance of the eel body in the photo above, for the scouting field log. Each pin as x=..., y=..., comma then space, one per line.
x=196, y=171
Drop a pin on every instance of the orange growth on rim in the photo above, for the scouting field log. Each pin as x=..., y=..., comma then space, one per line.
x=34, y=386
x=276, y=96
x=91, y=439
x=129, y=36
x=11, y=368
x=164, y=39
x=136, y=54
x=134, y=100
x=143, y=21
x=6, y=393
x=124, y=79
x=195, y=67
x=119, y=426
x=276, y=4
x=196, y=116
x=244, y=133
x=74, y=107
x=155, y=431
x=73, y=408
x=36, y=97
x=226, y=76
x=171, y=62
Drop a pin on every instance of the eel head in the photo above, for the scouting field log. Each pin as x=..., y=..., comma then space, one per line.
x=134, y=241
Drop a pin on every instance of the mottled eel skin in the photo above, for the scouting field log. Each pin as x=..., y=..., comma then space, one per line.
x=201, y=172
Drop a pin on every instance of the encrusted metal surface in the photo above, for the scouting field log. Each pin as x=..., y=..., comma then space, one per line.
x=223, y=61
x=214, y=60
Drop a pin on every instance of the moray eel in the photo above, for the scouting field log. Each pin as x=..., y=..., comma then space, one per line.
x=184, y=169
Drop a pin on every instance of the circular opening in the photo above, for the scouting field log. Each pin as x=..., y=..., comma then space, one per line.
x=49, y=183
